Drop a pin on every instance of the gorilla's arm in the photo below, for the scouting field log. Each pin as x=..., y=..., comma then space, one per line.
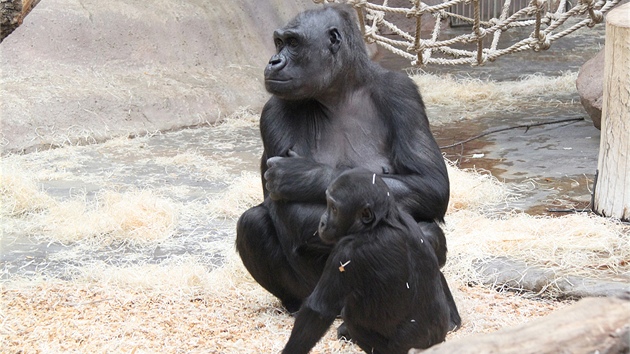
x=309, y=327
x=322, y=307
x=420, y=179
x=424, y=196
x=286, y=174
x=297, y=178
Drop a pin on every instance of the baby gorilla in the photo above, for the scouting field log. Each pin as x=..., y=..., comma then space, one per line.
x=381, y=272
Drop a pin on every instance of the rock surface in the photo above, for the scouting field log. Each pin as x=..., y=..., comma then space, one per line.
x=590, y=86
x=84, y=71
x=10, y=16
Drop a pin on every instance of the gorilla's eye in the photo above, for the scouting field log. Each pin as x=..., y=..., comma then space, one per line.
x=292, y=42
x=277, y=42
x=334, y=209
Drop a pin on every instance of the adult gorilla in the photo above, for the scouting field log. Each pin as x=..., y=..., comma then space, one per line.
x=333, y=109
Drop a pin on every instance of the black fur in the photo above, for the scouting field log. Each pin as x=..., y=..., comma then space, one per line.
x=381, y=272
x=333, y=109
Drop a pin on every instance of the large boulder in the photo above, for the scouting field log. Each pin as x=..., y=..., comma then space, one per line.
x=590, y=86
x=80, y=71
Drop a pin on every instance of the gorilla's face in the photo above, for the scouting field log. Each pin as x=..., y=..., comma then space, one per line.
x=306, y=61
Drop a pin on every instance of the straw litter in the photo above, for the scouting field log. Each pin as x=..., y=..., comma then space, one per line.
x=140, y=258
x=453, y=98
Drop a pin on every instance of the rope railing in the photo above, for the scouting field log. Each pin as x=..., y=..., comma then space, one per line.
x=548, y=27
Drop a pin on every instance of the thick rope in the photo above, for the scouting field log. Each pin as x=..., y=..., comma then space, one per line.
x=433, y=50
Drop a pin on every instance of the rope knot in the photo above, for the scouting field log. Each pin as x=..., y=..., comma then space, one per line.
x=481, y=32
x=377, y=17
x=357, y=3
x=416, y=49
x=540, y=43
x=481, y=60
x=370, y=32
x=416, y=10
x=596, y=17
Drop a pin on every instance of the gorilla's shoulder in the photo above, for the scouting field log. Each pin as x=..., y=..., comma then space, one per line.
x=395, y=82
x=394, y=87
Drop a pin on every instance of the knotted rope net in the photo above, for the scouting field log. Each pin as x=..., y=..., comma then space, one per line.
x=550, y=19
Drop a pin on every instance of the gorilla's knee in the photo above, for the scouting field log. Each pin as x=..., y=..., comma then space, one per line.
x=435, y=235
x=250, y=226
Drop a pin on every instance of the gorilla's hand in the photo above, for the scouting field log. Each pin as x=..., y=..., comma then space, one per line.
x=297, y=178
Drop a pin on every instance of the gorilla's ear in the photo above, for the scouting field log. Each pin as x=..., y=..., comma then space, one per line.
x=335, y=39
x=367, y=216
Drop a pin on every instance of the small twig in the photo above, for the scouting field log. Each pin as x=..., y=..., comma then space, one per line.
x=75, y=304
x=527, y=126
x=571, y=210
x=342, y=267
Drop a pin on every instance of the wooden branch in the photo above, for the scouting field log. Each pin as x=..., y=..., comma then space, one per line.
x=527, y=126
x=593, y=325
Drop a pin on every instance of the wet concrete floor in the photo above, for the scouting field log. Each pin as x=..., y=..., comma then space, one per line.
x=553, y=166
x=213, y=157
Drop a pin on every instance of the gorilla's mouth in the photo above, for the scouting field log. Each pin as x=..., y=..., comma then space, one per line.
x=277, y=81
x=326, y=238
x=279, y=86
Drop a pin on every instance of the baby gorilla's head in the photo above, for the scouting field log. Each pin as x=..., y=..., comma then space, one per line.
x=357, y=201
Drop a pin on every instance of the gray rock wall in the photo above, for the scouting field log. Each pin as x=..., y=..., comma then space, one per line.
x=84, y=71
